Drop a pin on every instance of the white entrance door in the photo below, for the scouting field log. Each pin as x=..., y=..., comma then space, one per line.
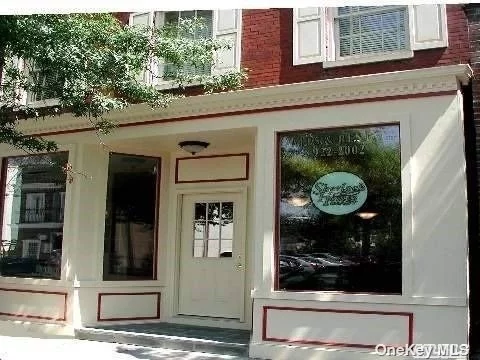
x=212, y=266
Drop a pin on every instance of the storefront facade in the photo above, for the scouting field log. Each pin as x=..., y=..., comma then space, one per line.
x=420, y=298
x=326, y=216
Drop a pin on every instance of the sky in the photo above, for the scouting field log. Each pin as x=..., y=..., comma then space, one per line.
x=63, y=6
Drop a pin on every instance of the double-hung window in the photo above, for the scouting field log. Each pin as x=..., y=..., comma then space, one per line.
x=206, y=31
x=46, y=84
x=351, y=35
x=224, y=25
x=363, y=30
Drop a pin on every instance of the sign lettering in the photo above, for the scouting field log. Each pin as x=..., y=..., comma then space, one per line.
x=339, y=193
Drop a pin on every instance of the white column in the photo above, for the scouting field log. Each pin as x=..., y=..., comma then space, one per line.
x=84, y=228
x=264, y=180
x=85, y=213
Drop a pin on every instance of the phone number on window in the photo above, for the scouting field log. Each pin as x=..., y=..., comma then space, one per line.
x=342, y=150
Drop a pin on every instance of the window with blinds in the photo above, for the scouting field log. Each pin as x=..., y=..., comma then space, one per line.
x=205, y=32
x=363, y=30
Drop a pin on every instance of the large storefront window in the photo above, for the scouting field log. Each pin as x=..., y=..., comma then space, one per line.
x=340, y=210
x=32, y=222
x=130, y=220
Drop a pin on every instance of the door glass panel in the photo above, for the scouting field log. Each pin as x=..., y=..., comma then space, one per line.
x=227, y=211
x=213, y=229
x=213, y=248
x=214, y=211
x=200, y=211
x=199, y=230
x=226, y=250
x=227, y=229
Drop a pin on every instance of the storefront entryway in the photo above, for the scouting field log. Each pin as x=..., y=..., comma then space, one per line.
x=212, y=253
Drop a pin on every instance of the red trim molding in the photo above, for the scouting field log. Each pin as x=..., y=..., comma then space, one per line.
x=265, y=337
x=99, y=307
x=257, y=111
x=29, y=316
x=245, y=177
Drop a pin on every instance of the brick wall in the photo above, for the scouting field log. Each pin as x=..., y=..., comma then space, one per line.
x=267, y=50
x=122, y=16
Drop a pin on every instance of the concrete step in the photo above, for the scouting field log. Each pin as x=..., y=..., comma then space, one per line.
x=173, y=336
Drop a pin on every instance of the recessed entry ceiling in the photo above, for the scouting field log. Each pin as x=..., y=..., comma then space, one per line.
x=221, y=140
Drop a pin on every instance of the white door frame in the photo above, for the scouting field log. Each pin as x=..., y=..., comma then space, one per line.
x=179, y=193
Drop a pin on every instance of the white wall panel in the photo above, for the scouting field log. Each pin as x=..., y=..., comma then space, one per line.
x=33, y=304
x=351, y=328
x=128, y=306
x=212, y=168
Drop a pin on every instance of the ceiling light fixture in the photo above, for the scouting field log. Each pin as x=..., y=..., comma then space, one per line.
x=193, y=147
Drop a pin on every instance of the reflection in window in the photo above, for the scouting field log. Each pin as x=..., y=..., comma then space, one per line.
x=213, y=230
x=34, y=200
x=340, y=210
x=130, y=218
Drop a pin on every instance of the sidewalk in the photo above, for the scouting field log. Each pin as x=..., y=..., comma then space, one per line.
x=22, y=348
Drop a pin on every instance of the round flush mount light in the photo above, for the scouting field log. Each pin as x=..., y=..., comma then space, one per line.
x=193, y=147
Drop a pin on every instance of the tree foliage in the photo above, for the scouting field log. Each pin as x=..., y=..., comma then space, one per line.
x=93, y=64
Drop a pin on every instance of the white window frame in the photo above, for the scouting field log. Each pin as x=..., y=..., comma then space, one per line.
x=427, y=29
x=333, y=58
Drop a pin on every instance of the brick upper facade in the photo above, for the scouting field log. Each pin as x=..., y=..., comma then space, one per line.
x=267, y=50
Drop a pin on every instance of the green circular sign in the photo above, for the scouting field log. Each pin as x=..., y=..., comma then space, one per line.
x=339, y=193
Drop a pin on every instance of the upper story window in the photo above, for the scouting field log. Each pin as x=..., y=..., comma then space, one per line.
x=222, y=24
x=46, y=82
x=361, y=34
x=364, y=30
x=205, y=32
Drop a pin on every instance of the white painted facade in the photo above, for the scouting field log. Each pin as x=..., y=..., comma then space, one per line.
x=433, y=306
